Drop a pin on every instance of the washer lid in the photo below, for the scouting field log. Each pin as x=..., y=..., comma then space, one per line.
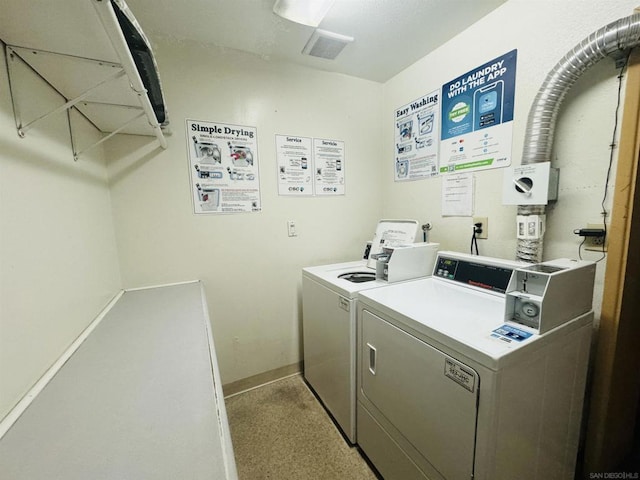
x=329, y=276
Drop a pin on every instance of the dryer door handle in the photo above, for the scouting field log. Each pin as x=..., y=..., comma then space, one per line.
x=372, y=358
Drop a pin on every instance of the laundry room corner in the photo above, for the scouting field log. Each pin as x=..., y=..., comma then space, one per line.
x=249, y=265
x=58, y=261
x=401, y=232
x=581, y=149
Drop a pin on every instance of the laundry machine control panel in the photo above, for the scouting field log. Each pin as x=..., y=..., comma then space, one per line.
x=475, y=272
x=540, y=296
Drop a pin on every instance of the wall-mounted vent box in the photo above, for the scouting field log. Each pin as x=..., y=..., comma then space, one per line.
x=533, y=184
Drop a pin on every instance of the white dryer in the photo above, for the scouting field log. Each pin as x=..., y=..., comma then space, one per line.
x=451, y=387
x=329, y=295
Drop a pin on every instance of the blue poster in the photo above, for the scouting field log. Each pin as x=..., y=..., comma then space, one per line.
x=477, y=117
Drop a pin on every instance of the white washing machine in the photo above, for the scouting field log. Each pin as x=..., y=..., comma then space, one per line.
x=477, y=372
x=329, y=295
x=329, y=336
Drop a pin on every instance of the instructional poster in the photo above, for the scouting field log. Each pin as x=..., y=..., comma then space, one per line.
x=477, y=117
x=329, y=166
x=223, y=161
x=417, y=138
x=294, y=156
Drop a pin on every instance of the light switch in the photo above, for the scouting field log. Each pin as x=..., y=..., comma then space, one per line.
x=291, y=228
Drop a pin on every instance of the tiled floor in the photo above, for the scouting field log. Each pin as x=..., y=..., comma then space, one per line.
x=280, y=431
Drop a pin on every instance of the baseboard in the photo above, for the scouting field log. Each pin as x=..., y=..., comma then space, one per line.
x=254, y=381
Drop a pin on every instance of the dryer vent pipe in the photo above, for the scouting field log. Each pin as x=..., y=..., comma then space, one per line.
x=616, y=37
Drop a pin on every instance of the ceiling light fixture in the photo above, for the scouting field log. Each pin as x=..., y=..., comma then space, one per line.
x=306, y=12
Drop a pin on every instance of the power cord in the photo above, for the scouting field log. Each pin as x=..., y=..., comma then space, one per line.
x=477, y=229
x=593, y=233
x=584, y=239
x=612, y=147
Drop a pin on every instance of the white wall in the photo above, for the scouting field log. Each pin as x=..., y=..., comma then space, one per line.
x=250, y=268
x=542, y=32
x=58, y=261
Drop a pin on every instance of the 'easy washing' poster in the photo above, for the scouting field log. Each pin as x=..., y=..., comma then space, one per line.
x=477, y=117
x=416, y=138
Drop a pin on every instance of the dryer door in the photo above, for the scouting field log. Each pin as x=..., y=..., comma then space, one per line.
x=429, y=397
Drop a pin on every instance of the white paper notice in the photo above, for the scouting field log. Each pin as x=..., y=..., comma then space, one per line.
x=295, y=165
x=223, y=161
x=457, y=195
x=329, y=165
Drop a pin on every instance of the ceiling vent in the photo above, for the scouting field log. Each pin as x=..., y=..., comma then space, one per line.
x=326, y=44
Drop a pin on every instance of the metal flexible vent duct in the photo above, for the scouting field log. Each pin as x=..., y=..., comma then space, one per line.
x=617, y=36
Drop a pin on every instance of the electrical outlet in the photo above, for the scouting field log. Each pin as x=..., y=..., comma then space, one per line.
x=596, y=243
x=291, y=228
x=484, y=221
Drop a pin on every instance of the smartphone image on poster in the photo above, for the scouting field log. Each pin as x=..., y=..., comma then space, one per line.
x=487, y=105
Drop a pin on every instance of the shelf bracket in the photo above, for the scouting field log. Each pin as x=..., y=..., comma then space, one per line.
x=16, y=54
x=12, y=55
x=77, y=154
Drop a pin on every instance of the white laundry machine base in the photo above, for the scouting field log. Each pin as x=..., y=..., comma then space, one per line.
x=415, y=420
x=329, y=353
